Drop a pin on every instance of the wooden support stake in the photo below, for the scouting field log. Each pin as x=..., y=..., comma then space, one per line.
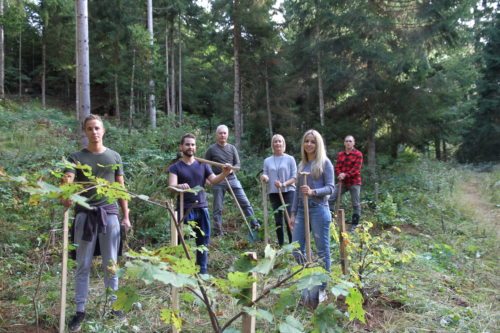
x=62, y=320
x=344, y=262
x=266, y=217
x=249, y=321
x=174, y=241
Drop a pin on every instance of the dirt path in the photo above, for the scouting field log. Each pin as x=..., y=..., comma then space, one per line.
x=475, y=204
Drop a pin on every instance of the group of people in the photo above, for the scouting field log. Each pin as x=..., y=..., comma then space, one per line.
x=313, y=177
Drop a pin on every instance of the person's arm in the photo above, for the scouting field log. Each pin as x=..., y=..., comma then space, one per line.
x=339, y=165
x=293, y=172
x=124, y=205
x=265, y=172
x=328, y=182
x=236, y=157
x=226, y=170
x=174, y=182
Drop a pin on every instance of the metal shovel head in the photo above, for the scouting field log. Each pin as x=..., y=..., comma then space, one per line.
x=310, y=297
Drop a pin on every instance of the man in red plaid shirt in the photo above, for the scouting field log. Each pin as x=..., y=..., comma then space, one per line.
x=348, y=171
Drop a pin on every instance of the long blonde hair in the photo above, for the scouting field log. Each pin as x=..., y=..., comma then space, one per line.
x=320, y=158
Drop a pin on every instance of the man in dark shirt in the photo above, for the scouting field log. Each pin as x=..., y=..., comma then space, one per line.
x=224, y=152
x=188, y=173
x=348, y=171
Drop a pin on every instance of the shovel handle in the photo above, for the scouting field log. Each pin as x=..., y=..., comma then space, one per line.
x=286, y=210
x=307, y=225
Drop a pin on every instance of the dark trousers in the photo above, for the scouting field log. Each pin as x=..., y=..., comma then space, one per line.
x=279, y=215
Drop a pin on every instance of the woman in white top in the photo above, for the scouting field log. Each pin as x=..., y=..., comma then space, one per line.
x=280, y=170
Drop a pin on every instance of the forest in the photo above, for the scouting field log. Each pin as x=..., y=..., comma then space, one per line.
x=416, y=82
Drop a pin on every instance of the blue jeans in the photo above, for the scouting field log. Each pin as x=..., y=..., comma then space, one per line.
x=218, y=192
x=202, y=219
x=319, y=219
x=109, y=244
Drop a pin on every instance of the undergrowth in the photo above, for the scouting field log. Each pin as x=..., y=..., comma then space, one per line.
x=450, y=285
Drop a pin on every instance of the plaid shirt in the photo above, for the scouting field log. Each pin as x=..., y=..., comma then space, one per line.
x=350, y=164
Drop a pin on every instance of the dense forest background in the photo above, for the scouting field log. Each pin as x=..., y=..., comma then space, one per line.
x=396, y=74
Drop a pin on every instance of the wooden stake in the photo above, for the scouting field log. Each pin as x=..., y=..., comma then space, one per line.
x=62, y=320
x=249, y=321
x=307, y=224
x=344, y=261
x=266, y=217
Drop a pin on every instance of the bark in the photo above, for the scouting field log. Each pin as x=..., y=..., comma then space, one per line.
x=117, y=99
x=320, y=82
x=180, y=71
x=268, y=106
x=2, y=55
x=20, y=73
x=237, y=81
x=131, y=106
x=167, y=74
x=44, y=69
x=151, y=98
x=83, y=65
x=437, y=146
x=172, y=72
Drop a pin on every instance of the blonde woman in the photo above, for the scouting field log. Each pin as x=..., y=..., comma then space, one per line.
x=280, y=170
x=319, y=187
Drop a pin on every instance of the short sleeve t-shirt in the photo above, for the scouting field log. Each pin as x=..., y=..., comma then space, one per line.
x=193, y=174
x=106, y=165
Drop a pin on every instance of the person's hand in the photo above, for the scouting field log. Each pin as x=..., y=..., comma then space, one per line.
x=183, y=186
x=292, y=222
x=305, y=189
x=264, y=178
x=341, y=176
x=126, y=224
x=278, y=184
x=227, y=169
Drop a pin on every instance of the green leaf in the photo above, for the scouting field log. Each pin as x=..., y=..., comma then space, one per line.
x=185, y=266
x=244, y=263
x=171, y=317
x=287, y=299
x=126, y=297
x=325, y=320
x=259, y=313
x=354, y=303
x=240, y=280
x=265, y=265
x=148, y=273
x=291, y=325
x=312, y=280
x=80, y=200
x=342, y=288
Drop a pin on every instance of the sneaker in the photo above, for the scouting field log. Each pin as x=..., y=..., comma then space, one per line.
x=118, y=315
x=75, y=325
x=255, y=225
x=322, y=296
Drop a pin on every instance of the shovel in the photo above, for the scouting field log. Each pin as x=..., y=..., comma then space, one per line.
x=265, y=213
x=286, y=210
x=64, y=274
x=310, y=297
x=252, y=237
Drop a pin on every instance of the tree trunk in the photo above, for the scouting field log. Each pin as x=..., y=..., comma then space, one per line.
x=320, y=81
x=131, y=106
x=151, y=99
x=20, y=74
x=445, y=151
x=77, y=75
x=180, y=71
x=167, y=74
x=268, y=106
x=44, y=69
x=172, y=71
x=372, y=162
x=117, y=99
x=83, y=65
x=2, y=55
x=237, y=83
x=437, y=146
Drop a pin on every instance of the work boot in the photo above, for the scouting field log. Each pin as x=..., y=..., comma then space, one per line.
x=118, y=315
x=75, y=325
x=354, y=222
x=255, y=225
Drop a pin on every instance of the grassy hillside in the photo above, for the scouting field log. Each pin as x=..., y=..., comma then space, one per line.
x=446, y=216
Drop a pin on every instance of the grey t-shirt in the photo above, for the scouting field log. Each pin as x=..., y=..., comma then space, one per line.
x=105, y=165
x=223, y=154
